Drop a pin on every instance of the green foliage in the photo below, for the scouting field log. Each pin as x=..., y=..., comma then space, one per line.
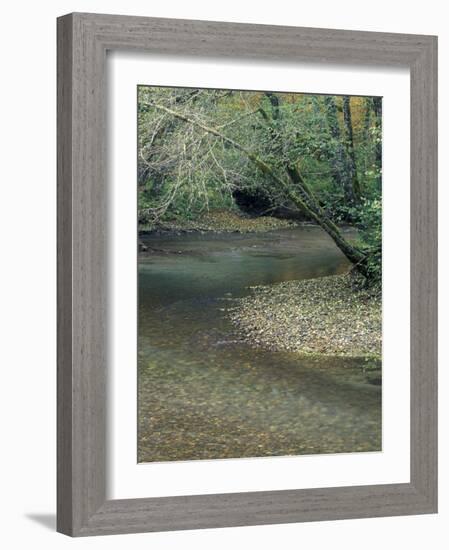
x=187, y=206
x=184, y=171
x=370, y=224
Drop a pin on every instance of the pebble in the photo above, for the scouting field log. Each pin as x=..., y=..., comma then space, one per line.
x=326, y=315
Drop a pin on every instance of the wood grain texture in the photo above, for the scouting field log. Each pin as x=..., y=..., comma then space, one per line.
x=83, y=40
x=423, y=274
x=64, y=277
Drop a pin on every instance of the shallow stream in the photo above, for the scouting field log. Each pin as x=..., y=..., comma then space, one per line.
x=203, y=393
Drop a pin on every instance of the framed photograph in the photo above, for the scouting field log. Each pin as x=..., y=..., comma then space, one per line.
x=247, y=281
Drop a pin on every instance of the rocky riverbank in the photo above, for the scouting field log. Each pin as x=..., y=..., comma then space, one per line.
x=325, y=316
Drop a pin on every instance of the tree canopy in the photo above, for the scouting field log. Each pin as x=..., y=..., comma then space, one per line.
x=313, y=156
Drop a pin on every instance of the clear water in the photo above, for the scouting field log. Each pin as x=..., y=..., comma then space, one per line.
x=203, y=393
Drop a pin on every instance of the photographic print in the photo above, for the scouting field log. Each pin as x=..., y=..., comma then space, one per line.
x=259, y=274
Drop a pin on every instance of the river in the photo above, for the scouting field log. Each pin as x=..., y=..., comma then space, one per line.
x=205, y=394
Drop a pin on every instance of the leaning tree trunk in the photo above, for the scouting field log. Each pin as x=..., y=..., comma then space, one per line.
x=291, y=170
x=299, y=193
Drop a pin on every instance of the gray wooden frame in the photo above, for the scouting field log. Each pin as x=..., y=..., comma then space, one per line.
x=83, y=40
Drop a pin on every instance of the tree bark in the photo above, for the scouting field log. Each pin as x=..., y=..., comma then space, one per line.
x=377, y=107
x=367, y=119
x=352, y=164
x=339, y=161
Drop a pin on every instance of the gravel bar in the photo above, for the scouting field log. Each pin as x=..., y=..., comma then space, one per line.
x=327, y=315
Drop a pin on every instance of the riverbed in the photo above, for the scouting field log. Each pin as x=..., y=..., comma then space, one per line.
x=203, y=392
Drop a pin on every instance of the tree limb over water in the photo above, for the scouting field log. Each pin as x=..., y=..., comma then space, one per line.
x=313, y=157
x=300, y=195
